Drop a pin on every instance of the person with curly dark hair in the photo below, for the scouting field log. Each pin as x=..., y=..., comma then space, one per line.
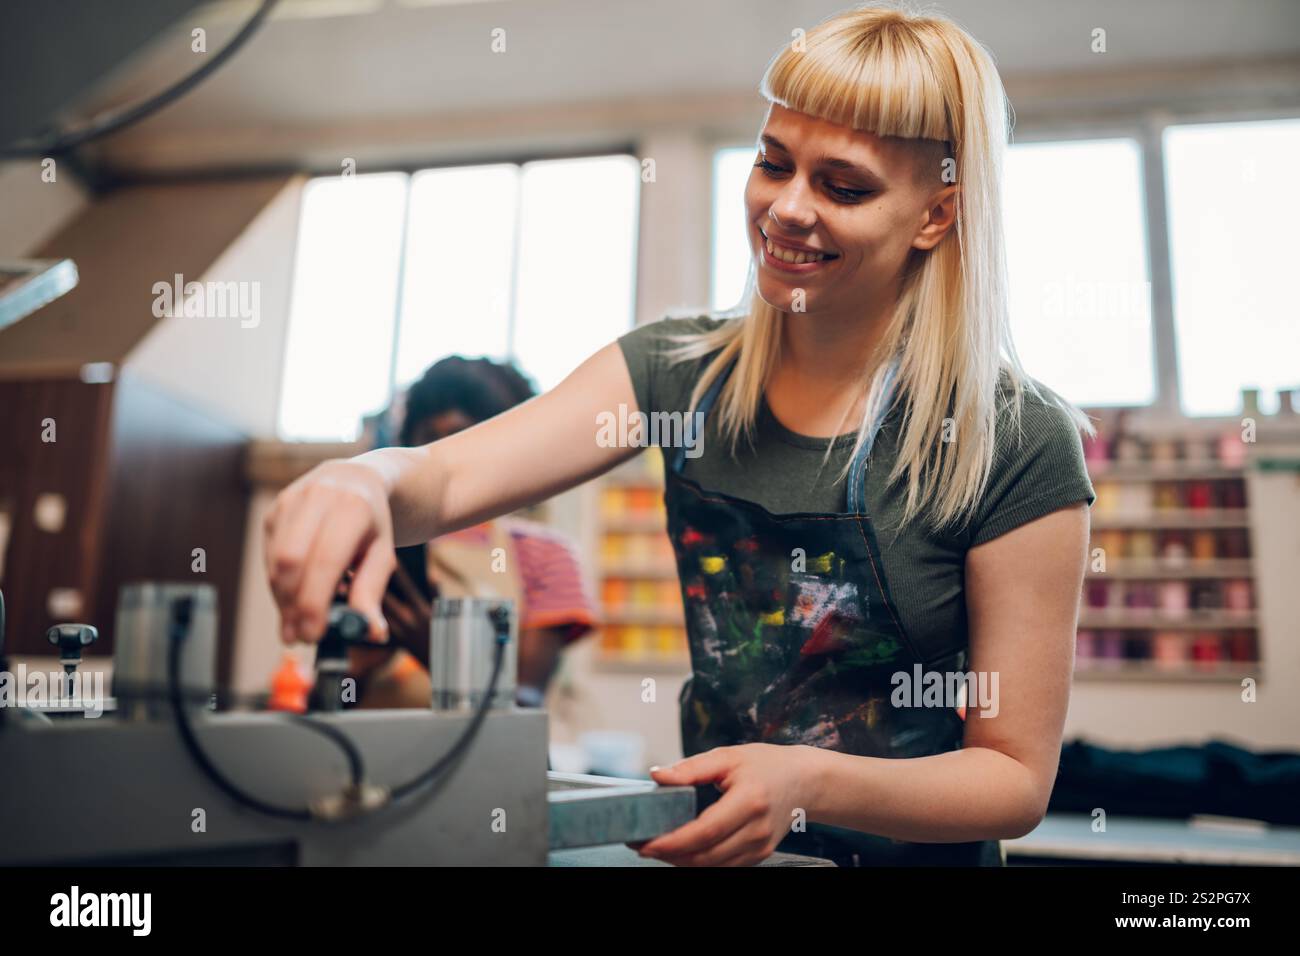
x=531, y=564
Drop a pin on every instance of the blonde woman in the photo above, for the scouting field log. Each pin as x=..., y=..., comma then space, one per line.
x=884, y=500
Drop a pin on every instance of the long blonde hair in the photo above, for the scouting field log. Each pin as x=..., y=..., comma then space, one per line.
x=895, y=73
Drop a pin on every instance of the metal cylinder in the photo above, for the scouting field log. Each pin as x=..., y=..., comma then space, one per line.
x=462, y=648
x=141, y=640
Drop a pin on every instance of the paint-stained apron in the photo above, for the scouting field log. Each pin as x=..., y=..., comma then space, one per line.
x=794, y=639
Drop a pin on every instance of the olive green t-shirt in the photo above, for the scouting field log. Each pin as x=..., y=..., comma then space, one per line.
x=1035, y=471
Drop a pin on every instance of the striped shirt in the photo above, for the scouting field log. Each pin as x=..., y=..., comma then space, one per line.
x=555, y=590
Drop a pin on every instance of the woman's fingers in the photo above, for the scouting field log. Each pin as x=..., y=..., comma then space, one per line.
x=744, y=847
x=280, y=564
x=370, y=582
x=298, y=517
x=718, y=822
x=335, y=547
x=709, y=766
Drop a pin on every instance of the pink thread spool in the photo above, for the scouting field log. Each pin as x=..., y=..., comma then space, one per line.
x=1096, y=453
x=1170, y=650
x=1239, y=596
x=1174, y=598
x=1232, y=450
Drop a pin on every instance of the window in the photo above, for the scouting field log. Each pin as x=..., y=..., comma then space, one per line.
x=731, y=253
x=1232, y=212
x=340, y=336
x=577, y=261
x=460, y=264
x=1080, y=298
x=534, y=263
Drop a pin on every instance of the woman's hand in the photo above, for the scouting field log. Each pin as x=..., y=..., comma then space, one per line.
x=332, y=519
x=763, y=787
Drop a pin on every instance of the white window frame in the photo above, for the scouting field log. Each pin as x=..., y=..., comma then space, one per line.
x=410, y=170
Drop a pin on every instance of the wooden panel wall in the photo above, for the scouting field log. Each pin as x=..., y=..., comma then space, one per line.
x=146, y=479
x=176, y=482
x=71, y=466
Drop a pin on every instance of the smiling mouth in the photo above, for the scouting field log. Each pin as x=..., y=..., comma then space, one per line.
x=793, y=257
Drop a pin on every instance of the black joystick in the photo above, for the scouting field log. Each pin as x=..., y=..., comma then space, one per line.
x=70, y=639
x=346, y=628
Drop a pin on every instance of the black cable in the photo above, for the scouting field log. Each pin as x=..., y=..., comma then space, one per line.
x=130, y=114
x=178, y=631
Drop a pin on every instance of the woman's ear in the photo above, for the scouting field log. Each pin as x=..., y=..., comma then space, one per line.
x=940, y=214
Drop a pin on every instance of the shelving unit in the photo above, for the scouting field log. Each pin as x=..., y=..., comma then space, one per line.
x=1170, y=589
x=639, y=589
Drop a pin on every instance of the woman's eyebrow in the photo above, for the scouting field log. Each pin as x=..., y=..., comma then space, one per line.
x=832, y=161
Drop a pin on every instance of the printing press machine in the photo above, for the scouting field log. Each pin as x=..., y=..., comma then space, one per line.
x=159, y=777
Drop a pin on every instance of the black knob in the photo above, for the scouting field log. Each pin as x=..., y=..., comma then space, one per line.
x=71, y=638
x=345, y=628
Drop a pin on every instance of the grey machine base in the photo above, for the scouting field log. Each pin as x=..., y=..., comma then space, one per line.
x=100, y=790
x=111, y=791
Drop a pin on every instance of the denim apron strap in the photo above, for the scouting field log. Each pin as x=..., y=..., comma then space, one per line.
x=701, y=413
x=858, y=469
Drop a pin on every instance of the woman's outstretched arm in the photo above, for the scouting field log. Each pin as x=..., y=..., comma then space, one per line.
x=350, y=513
